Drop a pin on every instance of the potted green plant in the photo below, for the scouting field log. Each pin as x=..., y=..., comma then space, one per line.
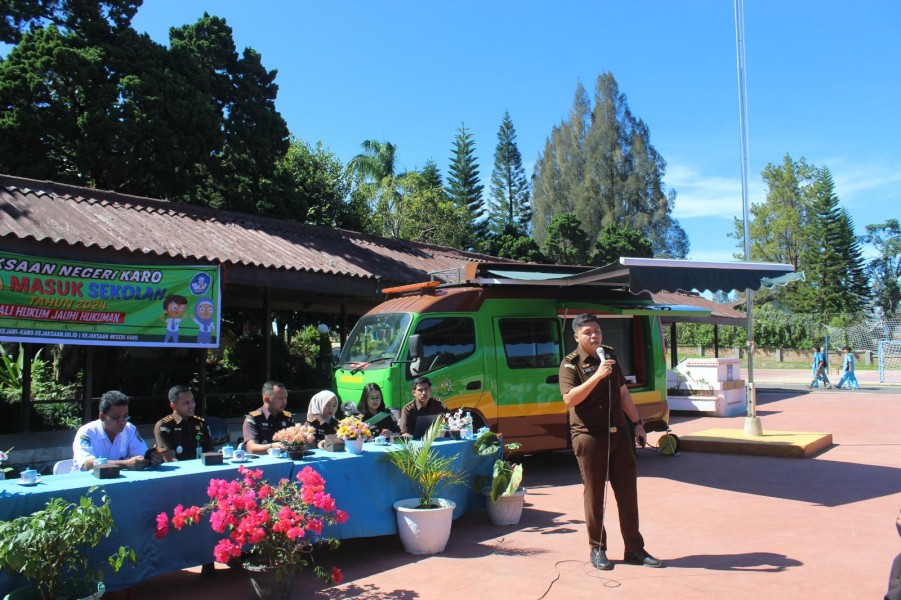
x=48, y=548
x=505, y=496
x=424, y=522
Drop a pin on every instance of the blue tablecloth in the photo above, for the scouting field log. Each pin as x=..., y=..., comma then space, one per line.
x=363, y=485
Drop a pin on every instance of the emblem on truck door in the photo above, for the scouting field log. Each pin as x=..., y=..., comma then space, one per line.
x=445, y=387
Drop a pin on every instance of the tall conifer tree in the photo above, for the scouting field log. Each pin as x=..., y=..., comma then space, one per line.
x=831, y=258
x=464, y=187
x=600, y=165
x=508, y=204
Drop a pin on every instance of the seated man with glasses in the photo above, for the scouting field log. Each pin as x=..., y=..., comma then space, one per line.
x=111, y=436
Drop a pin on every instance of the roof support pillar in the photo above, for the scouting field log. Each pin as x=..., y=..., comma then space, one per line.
x=267, y=328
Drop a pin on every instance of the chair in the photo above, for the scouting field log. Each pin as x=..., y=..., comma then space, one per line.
x=63, y=466
x=218, y=430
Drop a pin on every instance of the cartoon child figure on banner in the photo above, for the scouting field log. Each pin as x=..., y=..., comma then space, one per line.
x=204, y=311
x=174, y=306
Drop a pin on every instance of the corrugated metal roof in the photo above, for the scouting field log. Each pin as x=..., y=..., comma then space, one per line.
x=62, y=214
x=722, y=314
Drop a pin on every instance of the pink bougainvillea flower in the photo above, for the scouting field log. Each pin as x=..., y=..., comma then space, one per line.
x=273, y=524
x=162, y=525
x=337, y=575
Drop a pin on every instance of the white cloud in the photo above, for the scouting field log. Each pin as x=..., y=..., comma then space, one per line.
x=865, y=183
x=699, y=196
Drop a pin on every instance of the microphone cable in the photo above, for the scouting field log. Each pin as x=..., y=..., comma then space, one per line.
x=603, y=355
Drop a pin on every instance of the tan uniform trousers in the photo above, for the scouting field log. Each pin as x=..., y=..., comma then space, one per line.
x=591, y=454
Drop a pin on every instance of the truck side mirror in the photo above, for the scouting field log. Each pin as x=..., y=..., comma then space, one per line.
x=415, y=344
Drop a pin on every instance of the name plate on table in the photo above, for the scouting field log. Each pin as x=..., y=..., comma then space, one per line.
x=106, y=471
x=211, y=458
x=333, y=443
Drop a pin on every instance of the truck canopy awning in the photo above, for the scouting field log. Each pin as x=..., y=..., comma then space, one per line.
x=638, y=275
x=654, y=310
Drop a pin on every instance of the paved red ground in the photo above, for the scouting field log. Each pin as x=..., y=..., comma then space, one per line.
x=736, y=527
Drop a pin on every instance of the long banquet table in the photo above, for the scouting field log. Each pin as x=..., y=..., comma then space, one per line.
x=363, y=485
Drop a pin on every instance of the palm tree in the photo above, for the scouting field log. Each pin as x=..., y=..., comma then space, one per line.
x=373, y=167
x=374, y=176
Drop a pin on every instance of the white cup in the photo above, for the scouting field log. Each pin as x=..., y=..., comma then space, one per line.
x=227, y=451
x=275, y=452
x=240, y=455
x=29, y=476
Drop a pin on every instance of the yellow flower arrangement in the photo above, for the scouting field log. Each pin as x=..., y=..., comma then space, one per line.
x=351, y=428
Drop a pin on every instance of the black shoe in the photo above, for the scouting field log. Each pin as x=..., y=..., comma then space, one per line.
x=599, y=559
x=642, y=558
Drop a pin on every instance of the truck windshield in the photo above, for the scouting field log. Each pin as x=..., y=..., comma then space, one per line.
x=375, y=338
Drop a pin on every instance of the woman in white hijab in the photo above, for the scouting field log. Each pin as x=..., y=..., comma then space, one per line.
x=321, y=414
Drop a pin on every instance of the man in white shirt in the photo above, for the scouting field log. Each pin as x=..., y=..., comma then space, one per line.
x=111, y=436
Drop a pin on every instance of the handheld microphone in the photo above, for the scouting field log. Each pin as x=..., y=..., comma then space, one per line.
x=603, y=354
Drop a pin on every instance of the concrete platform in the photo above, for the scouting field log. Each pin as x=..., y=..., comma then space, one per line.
x=786, y=444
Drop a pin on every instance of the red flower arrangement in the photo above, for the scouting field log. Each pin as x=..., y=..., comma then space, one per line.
x=275, y=527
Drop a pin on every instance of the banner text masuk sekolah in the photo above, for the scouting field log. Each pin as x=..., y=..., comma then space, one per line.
x=51, y=301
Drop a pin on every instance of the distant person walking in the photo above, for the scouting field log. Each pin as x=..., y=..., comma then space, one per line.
x=848, y=371
x=819, y=370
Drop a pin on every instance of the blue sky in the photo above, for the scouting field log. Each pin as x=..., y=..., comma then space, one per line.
x=822, y=77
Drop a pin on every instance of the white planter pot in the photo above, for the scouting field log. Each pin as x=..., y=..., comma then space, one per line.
x=80, y=590
x=424, y=530
x=508, y=509
x=354, y=446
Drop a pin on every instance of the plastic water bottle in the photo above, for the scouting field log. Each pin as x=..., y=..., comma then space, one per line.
x=467, y=426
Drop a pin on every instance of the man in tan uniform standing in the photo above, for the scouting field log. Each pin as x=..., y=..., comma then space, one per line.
x=599, y=403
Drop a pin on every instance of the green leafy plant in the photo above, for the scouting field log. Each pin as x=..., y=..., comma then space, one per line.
x=506, y=478
x=11, y=368
x=427, y=470
x=48, y=546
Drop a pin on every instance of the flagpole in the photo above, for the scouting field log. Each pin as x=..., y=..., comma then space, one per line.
x=753, y=427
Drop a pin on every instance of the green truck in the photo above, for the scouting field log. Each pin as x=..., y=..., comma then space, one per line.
x=491, y=338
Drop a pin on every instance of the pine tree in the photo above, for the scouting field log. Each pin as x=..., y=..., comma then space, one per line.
x=601, y=166
x=464, y=188
x=509, y=200
x=831, y=258
x=431, y=175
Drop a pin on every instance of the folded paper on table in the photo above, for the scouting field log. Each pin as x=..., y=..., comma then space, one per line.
x=378, y=418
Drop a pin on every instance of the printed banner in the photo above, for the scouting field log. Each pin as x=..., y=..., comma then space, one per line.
x=51, y=301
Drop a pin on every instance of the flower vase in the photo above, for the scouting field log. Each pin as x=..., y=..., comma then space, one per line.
x=354, y=446
x=296, y=452
x=265, y=584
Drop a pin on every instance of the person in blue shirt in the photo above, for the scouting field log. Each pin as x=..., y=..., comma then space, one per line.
x=848, y=371
x=819, y=369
